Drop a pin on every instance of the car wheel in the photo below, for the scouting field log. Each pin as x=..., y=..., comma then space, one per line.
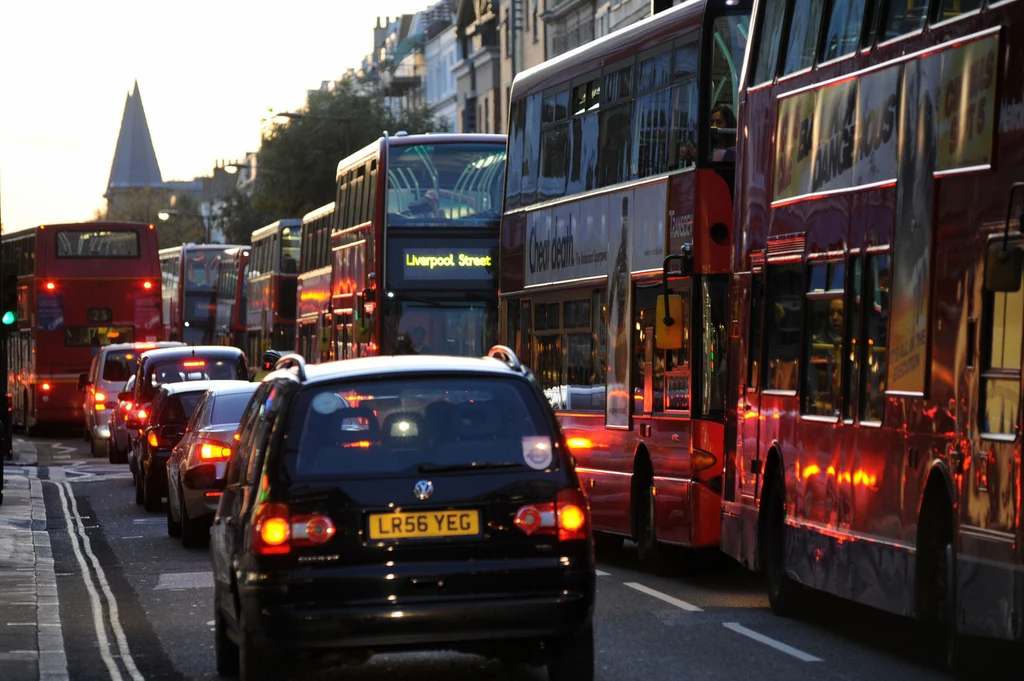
x=140, y=493
x=194, y=533
x=572, y=658
x=226, y=651
x=98, y=447
x=256, y=663
x=111, y=451
x=151, y=497
x=784, y=595
x=173, y=526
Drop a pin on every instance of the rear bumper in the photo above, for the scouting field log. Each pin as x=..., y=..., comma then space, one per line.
x=272, y=621
x=199, y=505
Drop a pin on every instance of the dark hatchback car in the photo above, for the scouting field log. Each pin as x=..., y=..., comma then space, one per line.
x=173, y=365
x=402, y=503
x=198, y=463
x=171, y=409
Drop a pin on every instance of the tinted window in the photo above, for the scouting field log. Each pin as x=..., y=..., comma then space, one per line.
x=119, y=366
x=97, y=244
x=904, y=16
x=414, y=424
x=770, y=30
x=803, y=35
x=783, y=325
x=229, y=408
x=949, y=9
x=843, y=28
x=178, y=408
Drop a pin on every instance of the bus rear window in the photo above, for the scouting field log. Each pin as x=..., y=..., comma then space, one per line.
x=97, y=336
x=78, y=243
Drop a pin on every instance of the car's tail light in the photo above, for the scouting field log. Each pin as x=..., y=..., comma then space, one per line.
x=142, y=415
x=194, y=363
x=99, y=397
x=127, y=408
x=212, y=451
x=309, y=530
x=271, y=531
x=153, y=440
x=565, y=517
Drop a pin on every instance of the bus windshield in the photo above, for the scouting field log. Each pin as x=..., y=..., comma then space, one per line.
x=442, y=184
x=77, y=243
x=201, y=270
x=414, y=327
x=291, y=240
x=730, y=41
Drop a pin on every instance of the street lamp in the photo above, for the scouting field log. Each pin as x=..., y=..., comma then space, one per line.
x=167, y=213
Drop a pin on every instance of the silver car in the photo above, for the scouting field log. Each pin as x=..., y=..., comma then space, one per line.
x=110, y=369
x=198, y=463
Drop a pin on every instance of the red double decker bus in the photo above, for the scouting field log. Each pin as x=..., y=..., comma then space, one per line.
x=191, y=275
x=230, y=326
x=621, y=163
x=272, y=287
x=80, y=287
x=313, y=295
x=878, y=310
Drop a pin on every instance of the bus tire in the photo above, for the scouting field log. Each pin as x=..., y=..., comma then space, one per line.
x=784, y=594
x=648, y=549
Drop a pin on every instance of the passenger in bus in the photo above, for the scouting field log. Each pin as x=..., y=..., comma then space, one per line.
x=427, y=207
x=723, y=137
x=832, y=334
x=418, y=336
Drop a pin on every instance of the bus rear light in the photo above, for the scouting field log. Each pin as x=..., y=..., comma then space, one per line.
x=45, y=387
x=271, y=533
x=214, y=452
x=147, y=285
x=579, y=444
x=50, y=286
x=195, y=363
x=700, y=461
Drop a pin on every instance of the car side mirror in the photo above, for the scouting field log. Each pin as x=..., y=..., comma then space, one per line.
x=83, y=382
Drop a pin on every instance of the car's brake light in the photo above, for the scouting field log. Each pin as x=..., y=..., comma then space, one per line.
x=99, y=397
x=565, y=517
x=142, y=415
x=214, y=452
x=271, y=531
x=154, y=441
x=127, y=407
x=194, y=363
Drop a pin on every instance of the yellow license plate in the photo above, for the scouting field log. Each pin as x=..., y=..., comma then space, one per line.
x=424, y=524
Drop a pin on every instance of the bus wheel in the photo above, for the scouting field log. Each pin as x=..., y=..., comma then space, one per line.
x=647, y=548
x=783, y=593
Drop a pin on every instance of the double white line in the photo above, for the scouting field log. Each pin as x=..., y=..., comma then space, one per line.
x=80, y=543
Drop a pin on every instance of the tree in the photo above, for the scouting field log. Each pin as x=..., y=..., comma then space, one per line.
x=144, y=204
x=238, y=219
x=299, y=158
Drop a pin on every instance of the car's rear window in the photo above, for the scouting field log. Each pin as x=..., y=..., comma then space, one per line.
x=418, y=425
x=191, y=369
x=229, y=408
x=178, y=408
x=119, y=366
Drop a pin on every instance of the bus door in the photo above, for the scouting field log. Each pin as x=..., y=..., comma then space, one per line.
x=745, y=477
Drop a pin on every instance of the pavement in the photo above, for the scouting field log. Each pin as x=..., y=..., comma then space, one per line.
x=31, y=639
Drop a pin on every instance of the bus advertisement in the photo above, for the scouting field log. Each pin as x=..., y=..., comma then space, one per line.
x=619, y=190
x=80, y=287
x=873, y=433
x=272, y=287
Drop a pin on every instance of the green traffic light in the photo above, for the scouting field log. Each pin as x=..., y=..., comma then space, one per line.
x=8, y=317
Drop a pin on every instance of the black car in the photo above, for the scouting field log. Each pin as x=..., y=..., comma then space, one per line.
x=402, y=503
x=171, y=409
x=198, y=463
x=173, y=365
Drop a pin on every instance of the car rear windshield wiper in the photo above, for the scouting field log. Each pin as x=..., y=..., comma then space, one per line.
x=472, y=466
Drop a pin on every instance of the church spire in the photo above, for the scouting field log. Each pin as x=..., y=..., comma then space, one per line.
x=135, y=163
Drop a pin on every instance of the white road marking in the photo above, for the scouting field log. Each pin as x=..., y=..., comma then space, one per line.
x=210, y=623
x=602, y=573
x=115, y=619
x=94, y=599
x=682, y=605
x=185, y=580
x=778, y=645
x=61, y=457
x=135, y=536
x=149, y=521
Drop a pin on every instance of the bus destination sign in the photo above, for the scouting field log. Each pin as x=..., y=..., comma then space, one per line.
x=447, y=263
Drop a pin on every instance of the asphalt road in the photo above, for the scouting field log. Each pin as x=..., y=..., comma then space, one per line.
x=135, y=605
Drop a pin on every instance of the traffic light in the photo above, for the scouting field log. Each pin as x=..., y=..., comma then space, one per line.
x=9, y=306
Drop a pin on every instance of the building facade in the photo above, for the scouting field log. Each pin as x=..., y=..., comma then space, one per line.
x=478, y=75
x=569, y=24
x=523, y=43
x=441, y=54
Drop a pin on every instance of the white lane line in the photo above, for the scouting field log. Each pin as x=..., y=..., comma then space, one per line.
x=778, y=645
x=94, y=599
x=682, y=605
x=135, y=536
x=602, y=573
x=115, y=618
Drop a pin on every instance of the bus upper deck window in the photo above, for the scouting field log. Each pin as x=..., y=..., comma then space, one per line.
x=803, y=35
x=842, y=32
x=769, y=29
x=903, y=16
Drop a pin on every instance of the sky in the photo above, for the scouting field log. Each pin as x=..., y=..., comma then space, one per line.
x=208, y=72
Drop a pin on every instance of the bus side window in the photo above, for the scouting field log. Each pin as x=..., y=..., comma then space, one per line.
x=852, y=357
x=903, y=17
x=842, y=32
x=873, y=354
x=803, y=35
x=948, y=9
x=755, y=366
x=783, y=325
x=769, y=31
x=1002, y=335
x=824, y=339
